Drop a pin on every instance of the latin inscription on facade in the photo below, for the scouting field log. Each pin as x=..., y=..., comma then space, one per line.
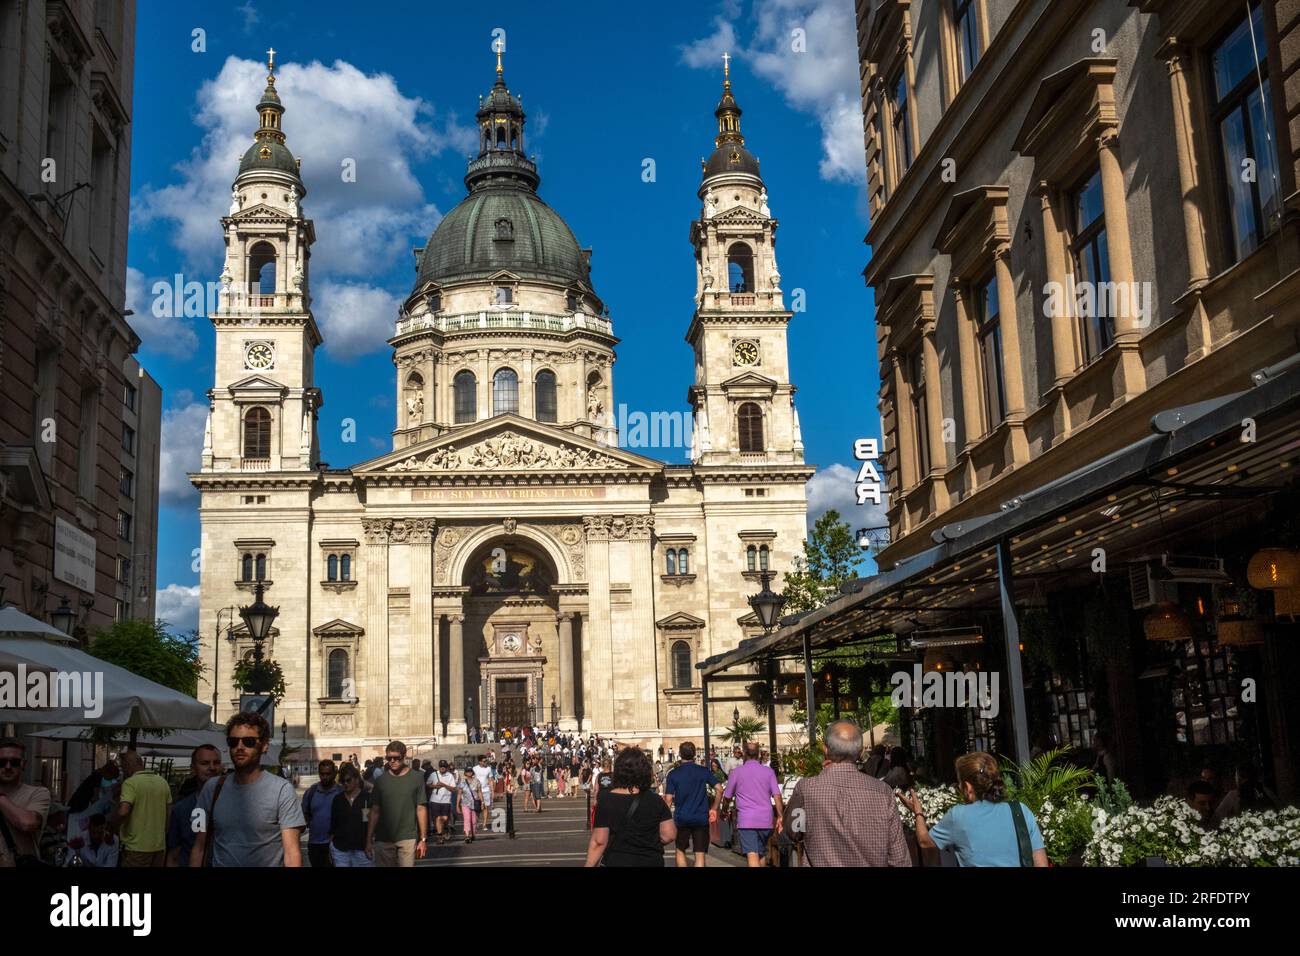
x=506, y=494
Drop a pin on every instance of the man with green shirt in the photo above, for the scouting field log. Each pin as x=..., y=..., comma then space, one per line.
x=399, y=819
x=141, y=814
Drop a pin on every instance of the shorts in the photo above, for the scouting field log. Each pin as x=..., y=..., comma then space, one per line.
x=754, y=841
x=697, y=838
x=441, y=809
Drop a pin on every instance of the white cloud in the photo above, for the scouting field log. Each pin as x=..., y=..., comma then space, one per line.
x=332, y=113
x=169, y=335
x=822, y=79
x=707, y=52
x=178, y=605
x=354, y=319
x=182, y=449
x=835, y=487
x=250, y=15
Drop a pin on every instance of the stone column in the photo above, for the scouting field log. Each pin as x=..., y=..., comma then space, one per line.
x=934, y=417
x=1198, y=261
x=1063, y=360
x=1131, y=375
x=600, y=678
x=908, y=456
x=527, y=400
x=456, y=679
x=644, y=676
x=376, y=689
x=1013, y=380
x=568, y=716
x=423, y=634
x=972, y=422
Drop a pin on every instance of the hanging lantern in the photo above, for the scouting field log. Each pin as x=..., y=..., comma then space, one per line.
x=1239, y=632
x=934, y=661
x=1167, y=622
x=1286, y=603
x=1274, y=568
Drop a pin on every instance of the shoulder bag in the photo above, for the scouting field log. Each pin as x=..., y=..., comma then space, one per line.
x=1022, y=834
x=209, y=844
x=23, y=860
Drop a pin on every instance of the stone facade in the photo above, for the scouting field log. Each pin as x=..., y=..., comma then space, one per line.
x=508, y=562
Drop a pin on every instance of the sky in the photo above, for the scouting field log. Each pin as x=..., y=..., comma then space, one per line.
x=606, y=86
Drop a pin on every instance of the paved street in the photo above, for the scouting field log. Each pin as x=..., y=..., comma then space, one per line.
x=555, y=837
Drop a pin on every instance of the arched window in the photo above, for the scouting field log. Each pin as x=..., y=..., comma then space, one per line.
x=504, y=295
x=338, y=672
x=683, y=562
x=257, y=433
x=740, y=268
x=246, y=568
x=751, y=558
x=261, y=567
x=466, y=398
x=681, y=664
x=762, y=558
x=345, y=568
x=332, y=563
x=670, y=564
x=749, y=427
x=501, y=137
x=505, y=392
x=544, y=397
x=261, y=269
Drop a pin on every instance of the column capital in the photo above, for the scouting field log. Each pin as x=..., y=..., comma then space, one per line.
x=377, y=530
x=1108, y=138
x=565, y=617
x=1000, y=250
x=456, y=618
x=412, y=530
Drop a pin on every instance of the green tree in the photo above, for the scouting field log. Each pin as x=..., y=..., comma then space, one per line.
x=148, y=649
x=831, y=556
x=742, y=730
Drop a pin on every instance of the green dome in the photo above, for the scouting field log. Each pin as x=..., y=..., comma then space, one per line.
x=531, y=241
x=280, y=158
x=731, y=158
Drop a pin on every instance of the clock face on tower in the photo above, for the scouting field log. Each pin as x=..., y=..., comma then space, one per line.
x=259, y=355
x=745, y=353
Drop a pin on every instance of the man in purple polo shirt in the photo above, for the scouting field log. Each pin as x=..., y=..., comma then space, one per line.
x=753, y=786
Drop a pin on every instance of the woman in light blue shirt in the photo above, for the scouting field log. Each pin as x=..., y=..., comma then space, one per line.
x=982, y=832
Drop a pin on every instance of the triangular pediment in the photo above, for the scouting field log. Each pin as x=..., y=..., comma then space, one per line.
x=338, y=626
x=503, y=275
x=256, y=382
x=509, y=444
x=260, y=211
x=749, y=380
x=740, y=214
x=679, y=621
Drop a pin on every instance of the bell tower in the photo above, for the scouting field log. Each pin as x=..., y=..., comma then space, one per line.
x=742, y=397
x=263, y=403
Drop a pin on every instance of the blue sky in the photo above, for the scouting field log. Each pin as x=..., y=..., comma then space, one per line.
x=605, y=86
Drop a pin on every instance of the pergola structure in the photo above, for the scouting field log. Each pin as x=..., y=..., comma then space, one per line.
x=1205, y=468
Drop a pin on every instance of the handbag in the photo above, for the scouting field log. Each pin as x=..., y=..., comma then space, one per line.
x=210, y=843
x=1022, y=834
x=27, y=861
x=627, y=820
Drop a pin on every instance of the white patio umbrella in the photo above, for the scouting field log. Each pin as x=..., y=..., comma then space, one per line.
x=179, y=744
x=106, y=695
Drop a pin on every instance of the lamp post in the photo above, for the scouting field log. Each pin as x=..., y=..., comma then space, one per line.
x=767, y=606
x=63, y=617
x=216, y=654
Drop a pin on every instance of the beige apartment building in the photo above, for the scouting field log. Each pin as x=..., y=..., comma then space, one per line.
x=1084, y=259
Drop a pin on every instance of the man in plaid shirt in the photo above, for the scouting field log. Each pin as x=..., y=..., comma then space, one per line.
x=842, y=816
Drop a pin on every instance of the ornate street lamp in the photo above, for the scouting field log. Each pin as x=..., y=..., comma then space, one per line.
x=64, y=617
x=555, y=711
x=767, y=604
x=258, y=618
x=284, y=734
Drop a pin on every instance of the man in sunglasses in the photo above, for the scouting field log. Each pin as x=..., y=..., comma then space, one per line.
x=23, y=807
x=250, y=817
x=399, y=820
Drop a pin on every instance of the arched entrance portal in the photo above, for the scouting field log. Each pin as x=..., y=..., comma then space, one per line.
x=510, y=622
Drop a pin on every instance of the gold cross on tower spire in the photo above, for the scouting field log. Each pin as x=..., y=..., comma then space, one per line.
x=499, y=45
x=726, y=70
x=270, y=60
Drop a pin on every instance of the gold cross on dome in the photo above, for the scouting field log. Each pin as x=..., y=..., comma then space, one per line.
x=270, y=60
x=726, y=65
